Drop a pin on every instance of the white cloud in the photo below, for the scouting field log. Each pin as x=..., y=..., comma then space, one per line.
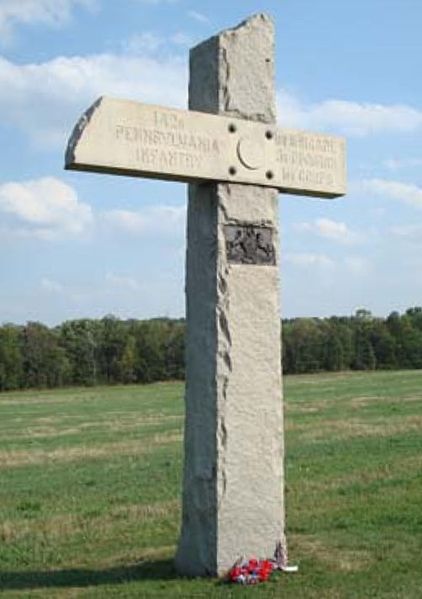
x=182, y=39
x=151, y=43
x=396, y=164
x=329, y=229
x=166, y=220
x=198, y=16
x=45, y=100
x=350, y=118
x=125, y=220
x=409, y=231
x=49, y=12
x=307, y=260
x=357, y=265
x=404, y=192
x=122, y=282
x=44, y=208
x=51, y=286
x=144, y=42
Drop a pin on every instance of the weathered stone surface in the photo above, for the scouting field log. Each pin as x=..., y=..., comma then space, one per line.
x=126, y=137
x=233, y=478
x=129, y=138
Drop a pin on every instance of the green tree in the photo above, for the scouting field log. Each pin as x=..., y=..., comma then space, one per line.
x=80, y=340
x=128, y=361
x=304, y=347
x=333, y=355
x=11, y=361
x=150, y=343
x=175, y=350
x=112, y=344
x=45, y=363
x=384, y=345
x=364, y=353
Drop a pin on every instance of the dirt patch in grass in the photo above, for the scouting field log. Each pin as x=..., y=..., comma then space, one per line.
x=56, y=527
x=308, y=407
x=390, y=471
x=394, y=469
x=361, y=401
x=335, y=558
x=14, y=458
x=365, y=400
x=353, y=427
x=135, y=422
x=143, y=512
x=36, y=401
x=44, y=431
x=316, y=379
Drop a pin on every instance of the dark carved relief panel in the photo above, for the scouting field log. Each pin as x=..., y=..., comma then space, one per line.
x=249, y=244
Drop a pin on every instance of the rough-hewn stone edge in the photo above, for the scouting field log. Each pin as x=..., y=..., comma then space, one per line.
x=196, y=554
x=214, y=93
x=266, y=114
x=77, y=133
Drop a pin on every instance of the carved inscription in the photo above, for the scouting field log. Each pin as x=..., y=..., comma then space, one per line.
x=165, y=142
x=307, y=159
x=123, y=137
x=249, y=244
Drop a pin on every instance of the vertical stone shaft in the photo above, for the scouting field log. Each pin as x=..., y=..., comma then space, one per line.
x=233, y=474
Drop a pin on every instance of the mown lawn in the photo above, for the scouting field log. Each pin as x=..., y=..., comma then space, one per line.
x=90, y=485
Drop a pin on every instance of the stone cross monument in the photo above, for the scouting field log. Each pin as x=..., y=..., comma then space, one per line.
x=236, y=161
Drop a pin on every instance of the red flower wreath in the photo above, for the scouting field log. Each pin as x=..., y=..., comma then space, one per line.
x=251, y=571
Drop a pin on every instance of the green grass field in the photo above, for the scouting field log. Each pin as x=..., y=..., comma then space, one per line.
x=90, y=485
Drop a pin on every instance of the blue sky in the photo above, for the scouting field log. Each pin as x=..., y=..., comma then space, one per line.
x=83, y=245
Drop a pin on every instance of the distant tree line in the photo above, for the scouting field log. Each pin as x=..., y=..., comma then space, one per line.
x=91, y=352
x=111, y=351
x=359, y=342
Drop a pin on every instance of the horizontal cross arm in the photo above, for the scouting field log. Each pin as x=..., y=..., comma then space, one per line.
x=129, y=138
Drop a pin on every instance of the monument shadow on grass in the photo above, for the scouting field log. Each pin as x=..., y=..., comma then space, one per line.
x=80, y=577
